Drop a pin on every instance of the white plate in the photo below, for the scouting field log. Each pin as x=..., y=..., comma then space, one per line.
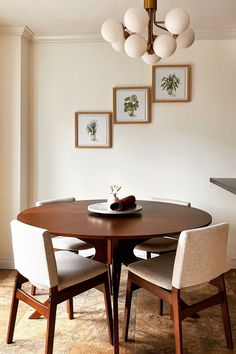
x=104, y=208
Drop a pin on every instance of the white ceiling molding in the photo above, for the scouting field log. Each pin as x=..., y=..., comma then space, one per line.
x=27, y=33
x=79, y=38
x=96, y=37
x=22, y=31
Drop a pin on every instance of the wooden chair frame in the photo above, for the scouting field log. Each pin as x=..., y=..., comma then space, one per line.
x=49, y=307
x=70, y=305
x=173, y=237
x=33, y=288
x=179, y=310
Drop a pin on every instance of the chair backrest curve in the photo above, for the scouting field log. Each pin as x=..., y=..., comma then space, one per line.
x=33, y=254
x=50, y=201
x=172, y=201
x=201, y=255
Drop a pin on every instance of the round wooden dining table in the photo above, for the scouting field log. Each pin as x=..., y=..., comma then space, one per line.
x=115, y=236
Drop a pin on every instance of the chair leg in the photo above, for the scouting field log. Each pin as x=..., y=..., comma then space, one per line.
x=70, y=308
x=52, y=308
x=160, y=307
x=177, y=320
x=110, y=279
x=14, y=308
x=119, y=275
x=149, y=255
x=225, y=313
x=33, y=290
x=107, y=301
x=128, y=300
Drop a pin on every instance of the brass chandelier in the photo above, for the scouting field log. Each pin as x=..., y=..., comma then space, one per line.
x=127, y=37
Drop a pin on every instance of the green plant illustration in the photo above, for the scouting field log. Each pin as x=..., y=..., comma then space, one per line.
x=92, y=128
x=131, y=104
x=170, y=83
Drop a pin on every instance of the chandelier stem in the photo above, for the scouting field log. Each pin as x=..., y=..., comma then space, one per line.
x=150, y=4
x=151, y=13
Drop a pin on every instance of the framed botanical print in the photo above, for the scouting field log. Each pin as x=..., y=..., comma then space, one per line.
x=93, y=130
x=171, y=83
x=131, y=105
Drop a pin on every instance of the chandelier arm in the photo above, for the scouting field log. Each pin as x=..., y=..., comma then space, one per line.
x=125, y=31
x=159, y=26
x=159, y=23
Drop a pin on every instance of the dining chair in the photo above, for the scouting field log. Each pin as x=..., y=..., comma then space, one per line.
x=200, y=258
x=63, y=273
x=161, y=245
x=164, y=244
x=64, y=243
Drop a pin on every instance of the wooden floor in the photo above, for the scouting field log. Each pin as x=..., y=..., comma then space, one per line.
x=87, y=333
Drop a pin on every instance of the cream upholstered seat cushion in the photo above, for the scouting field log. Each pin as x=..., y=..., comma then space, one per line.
x=69, y=243
x=201, y=256
x=158, y=245
x=35, y=259
x=73, y=268
x=156, y=270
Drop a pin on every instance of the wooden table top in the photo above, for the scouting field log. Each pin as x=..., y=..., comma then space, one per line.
x=74, y=219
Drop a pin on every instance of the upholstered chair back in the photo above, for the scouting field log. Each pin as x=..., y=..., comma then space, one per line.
x=172, y=201
x=33, y=254
x=49, y=201
x=200, y=256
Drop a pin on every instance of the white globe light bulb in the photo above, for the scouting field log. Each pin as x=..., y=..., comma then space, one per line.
x=177, y=21
x=185, y=39
x=135, y=46
x=118, y=46
x=164, y=45
x=150, y=58
x=136, y=19
x=112, y=30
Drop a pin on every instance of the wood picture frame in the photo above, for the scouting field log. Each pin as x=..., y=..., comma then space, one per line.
x=171, y=83
x=131, y=105
x=93, y=130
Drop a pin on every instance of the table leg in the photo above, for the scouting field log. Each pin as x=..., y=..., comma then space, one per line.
x=116, y=269
x=115, y=252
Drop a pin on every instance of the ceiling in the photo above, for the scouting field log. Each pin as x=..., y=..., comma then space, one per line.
x=74, y=17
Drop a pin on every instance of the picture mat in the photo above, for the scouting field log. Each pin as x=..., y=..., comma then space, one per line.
x=141, y=113
x=180, y=92
x=102, y=135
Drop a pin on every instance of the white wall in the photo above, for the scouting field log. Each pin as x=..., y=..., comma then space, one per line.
x=13, y=134
x=174, y=156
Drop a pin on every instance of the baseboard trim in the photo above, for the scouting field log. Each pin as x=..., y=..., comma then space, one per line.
x=7, y=263
x=232, y=263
